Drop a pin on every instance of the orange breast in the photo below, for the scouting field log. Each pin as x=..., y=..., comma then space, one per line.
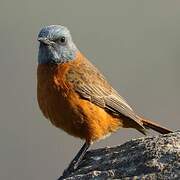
x=66, y=110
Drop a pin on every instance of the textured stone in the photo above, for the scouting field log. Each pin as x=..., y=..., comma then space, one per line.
x=144, y=158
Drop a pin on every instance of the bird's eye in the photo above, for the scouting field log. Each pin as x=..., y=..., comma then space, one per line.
x=62, y=39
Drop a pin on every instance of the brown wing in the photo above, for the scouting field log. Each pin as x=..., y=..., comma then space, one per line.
x=90, y=84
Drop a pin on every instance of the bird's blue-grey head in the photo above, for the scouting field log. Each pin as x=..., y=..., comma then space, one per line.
x=56, y=45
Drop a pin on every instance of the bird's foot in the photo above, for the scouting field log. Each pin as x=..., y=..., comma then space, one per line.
x=67, y=172
x=75, y=162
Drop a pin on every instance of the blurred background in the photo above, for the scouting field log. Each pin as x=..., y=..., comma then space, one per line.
x=135, y=43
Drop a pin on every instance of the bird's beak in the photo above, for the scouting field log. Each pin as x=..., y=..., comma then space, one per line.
x=45, y=41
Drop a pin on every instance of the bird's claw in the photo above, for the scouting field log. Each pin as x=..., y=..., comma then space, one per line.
x=68, y=171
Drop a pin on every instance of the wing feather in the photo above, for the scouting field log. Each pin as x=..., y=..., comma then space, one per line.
x=90, y=84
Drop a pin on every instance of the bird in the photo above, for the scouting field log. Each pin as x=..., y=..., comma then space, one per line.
x=76, y=97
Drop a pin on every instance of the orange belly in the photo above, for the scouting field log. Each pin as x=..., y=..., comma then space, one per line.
x=66, y=110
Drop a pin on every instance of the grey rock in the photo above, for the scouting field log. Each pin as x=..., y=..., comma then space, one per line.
x=144, y=158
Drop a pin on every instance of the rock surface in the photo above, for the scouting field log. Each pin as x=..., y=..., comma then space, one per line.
x=144, y=158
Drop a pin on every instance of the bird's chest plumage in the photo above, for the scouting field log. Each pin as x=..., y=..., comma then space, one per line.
x=63, y=106
x=58, y=101
x=54, y=95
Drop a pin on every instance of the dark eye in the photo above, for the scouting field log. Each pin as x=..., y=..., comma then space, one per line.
x=62, y=39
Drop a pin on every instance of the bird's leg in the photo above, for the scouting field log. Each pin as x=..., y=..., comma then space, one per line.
x=79, y=156
x=77, y=159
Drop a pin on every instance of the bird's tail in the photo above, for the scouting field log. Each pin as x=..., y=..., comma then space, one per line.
x=155, y=126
